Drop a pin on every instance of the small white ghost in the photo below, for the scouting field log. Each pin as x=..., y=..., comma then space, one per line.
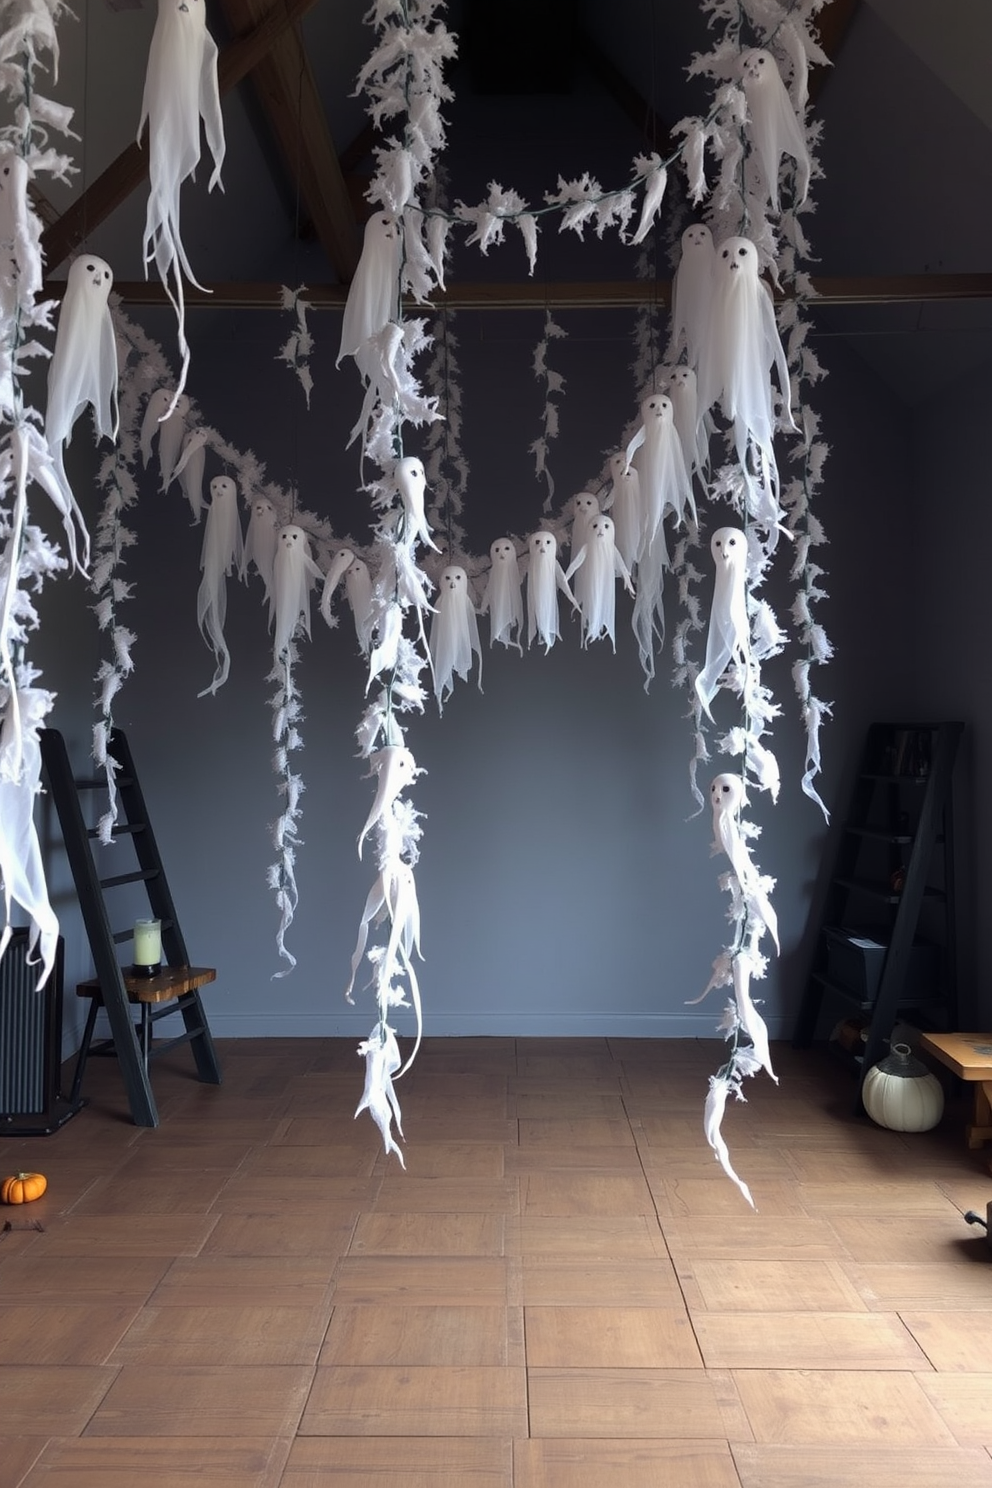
x=336, y=570
x=728, y=638
x=221, y=553
x=165, y=415
x=22, y=869
x=545, y=580
x=21, y=258
x=596, y=568
x=656, y=453
x=358, y=588
x=382, y=1060
x=373, y=295
x=693, y=428
x=503, y=597
x=624, y=505
x=294, y=574
x=83, y=369
x=692, y=290
x=454, y=632
x=411, y=482
x=394, y=893
x=189, y=471
x=180, y=90
x=713, y=1111
x=585, y=506
x=774, y=129
x=742, y=346
x=394, y=768
x=260, y=544
x=727, y=796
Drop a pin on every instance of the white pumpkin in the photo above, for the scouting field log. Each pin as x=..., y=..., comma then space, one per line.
x=901, y=1094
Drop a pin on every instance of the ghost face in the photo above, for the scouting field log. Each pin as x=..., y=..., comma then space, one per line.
x=738, y=258
x=728, y=546
x=697, y=238
x=726, y=795
x=758, y=68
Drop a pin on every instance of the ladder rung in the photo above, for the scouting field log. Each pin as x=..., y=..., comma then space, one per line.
x=99, y=782
x=141, y=875
x=127, y=829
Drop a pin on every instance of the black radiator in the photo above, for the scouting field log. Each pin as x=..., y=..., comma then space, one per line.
x=31, y=1101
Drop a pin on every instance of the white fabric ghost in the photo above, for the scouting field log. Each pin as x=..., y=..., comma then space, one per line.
x=648, y=618
x=189, y=470
x=454, y=632
x=716, y=1101
x=692, y=289
x=21, y=865
x=742, y=346
x=358, y=588
x=596, y=568
x=693, y=428
x=180, y=91
x=20, y=233
x=382, y=1060
x=774, y=129
x=220, y=555
x=411, y=483
x=624, y=505
x=585, y=506
x=394, y=768
x=545, y=579
x=294, y=574
x=394, y=893
x=83, y=369
x=373, y=295
x=164, y=419
x=728, y=638
x=336, y=570
x=503, y=598
x=260, y=544
x=656, y=453
x=727, y=796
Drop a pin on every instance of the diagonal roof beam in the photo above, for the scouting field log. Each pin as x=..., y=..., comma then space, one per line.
x=287, y=91
x=130, y=169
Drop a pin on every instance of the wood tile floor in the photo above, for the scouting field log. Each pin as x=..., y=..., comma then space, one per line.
x=561, y=1291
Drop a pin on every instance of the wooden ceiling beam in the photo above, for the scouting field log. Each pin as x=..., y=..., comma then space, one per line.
x=130, y=169
x=287, y=91
x=889, y=289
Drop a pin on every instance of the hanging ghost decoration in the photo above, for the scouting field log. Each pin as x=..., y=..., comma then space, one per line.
x=716, y=1101
x=358, y=588
x=596, y=568
x=728, y=638
x=222, y=553
x=260, y=545
x=411, y=483
x=624, y=505
x=691, y=427
x=373, y=295
x=727, y=797
x=83, y=369
x=742, y=346
x=20, y=233
x=189, y=470
x=692, y=290
x=294, y=574
x=382, y=1060
x=585, y=506
x=336, y=570
x=165, y=414
x=503, y=599
x=22, y=869
x=180, y=91
x=774, y=129
x=545, y=580
x=394, y=768
x=656, y=453
x=394, y=893
x=454, y=633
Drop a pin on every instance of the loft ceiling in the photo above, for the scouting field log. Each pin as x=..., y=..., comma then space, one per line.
x=542, y=87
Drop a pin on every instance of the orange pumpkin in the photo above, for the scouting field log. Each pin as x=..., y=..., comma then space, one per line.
x=22, y=1188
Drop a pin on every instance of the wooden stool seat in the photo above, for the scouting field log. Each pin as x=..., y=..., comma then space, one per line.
x=174, y=989
x=969, y=1055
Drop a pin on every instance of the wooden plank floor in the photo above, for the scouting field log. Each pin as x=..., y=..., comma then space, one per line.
x=561, y=1291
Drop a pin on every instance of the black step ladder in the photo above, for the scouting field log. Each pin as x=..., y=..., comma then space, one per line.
x=893, y=877
x=176, y=989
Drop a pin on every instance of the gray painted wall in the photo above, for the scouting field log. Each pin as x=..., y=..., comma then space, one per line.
x=563, y=888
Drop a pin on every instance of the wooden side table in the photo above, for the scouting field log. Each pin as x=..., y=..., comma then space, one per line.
x=969, y=1055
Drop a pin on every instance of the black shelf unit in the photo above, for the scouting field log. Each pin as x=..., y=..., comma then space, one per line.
x=886, y=948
